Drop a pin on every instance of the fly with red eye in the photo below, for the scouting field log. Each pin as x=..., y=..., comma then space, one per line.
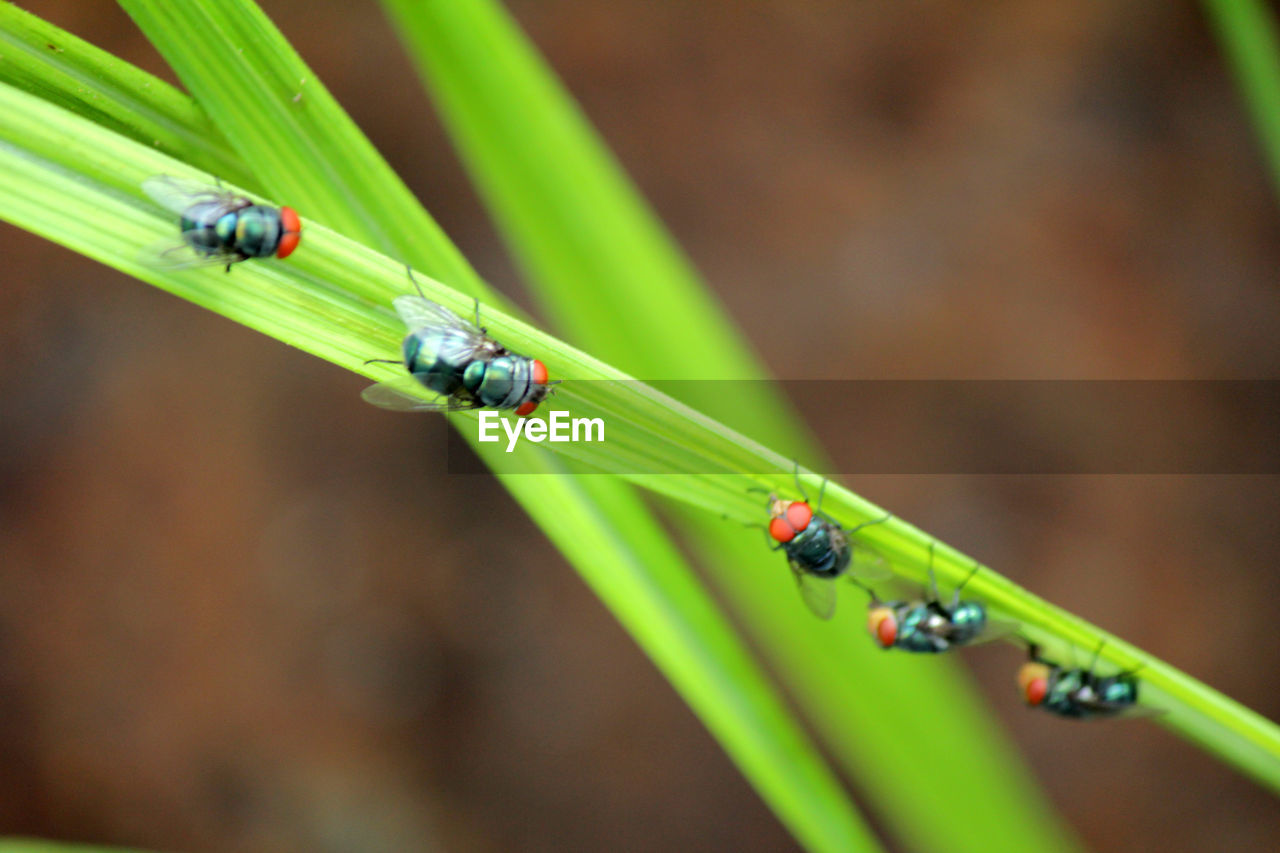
x=1080, y=694
x=459, y=362
x=818, y=549
x=218, y=226
x=927, y=624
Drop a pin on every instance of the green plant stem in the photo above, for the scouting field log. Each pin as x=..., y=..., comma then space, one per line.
x=1247, y=32
x=805, y=796
x=576, y=224
x=38, y=57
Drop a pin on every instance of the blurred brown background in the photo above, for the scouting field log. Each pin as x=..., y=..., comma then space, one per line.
x=241, y=610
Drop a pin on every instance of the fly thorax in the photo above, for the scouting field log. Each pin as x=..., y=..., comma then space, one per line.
x=914, y=617
x=811, y=549
x=496, y=386
x=936, y=623
x=1067, y=682
x=258, y=231
x=838, y=541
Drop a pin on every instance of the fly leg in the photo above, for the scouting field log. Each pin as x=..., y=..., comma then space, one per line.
x=955, y=601
x=931, y=594
x=795, y=473
x=409, y=270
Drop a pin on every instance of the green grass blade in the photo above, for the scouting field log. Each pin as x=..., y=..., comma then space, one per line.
x=289, y=130
x=554, y=188
x=604, y=266
x=691, y=643
x=38, y=57
x=1247, y=31
x=59, y=190
x=1209, y=718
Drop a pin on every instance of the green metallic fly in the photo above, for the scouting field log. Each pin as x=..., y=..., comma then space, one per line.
x=458, y=361
x=1080, y=694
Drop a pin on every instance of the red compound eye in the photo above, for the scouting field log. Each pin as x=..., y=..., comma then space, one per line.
x=781, y=531
x=1033, y=678
x=799, y=515
x=883, y=625
x=292, y=226
x=539, y=373
x=526, y=408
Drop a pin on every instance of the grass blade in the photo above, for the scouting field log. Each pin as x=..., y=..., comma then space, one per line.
x=1230, y=731
x=603, y=264
x=1247, y=31
x=717, y=677
x=290, y=132
x=38, y=57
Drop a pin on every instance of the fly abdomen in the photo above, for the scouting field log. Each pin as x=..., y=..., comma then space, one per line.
x=1118, y=690
x=1065, y=692
x=223, y=227
x=437, y=358
x=968, y=619
x=209, y=226
x=202, y=237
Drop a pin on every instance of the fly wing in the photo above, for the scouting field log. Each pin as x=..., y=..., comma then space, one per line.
x=420, y=313
x=466, y=341
x=1139, y=712
x=868, y=564
x=169, y=255
x=996, y=629
x=180, y=194
x=819, y=595
x=406, y=394
x=1112, y=710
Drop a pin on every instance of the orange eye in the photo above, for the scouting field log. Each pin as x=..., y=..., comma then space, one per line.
x=781, y=531
x=539, y=373
x=799, y=515
x=1033, y=678
x=883, y=625
x=292, y=232
x=526, y=408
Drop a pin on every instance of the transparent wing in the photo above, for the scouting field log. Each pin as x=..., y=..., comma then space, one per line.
x=465, y=342
x=1139, y=712
x=819, y=594
x=170, y=255
x=1113, y=711
x=867, y=564
x=180, y=195
x=996, y=629
x=406, y=394
x=420, y=313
